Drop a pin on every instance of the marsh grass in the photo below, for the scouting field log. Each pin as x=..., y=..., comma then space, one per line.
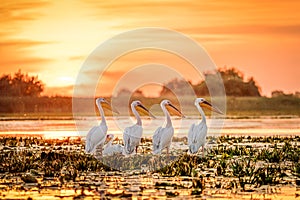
x=235, y=164
x=274, y=161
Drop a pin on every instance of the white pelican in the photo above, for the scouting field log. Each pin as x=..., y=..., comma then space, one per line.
x=197, y=133
x=97, y=134
x=110, y=149
x=162, y=137
x=132, y=135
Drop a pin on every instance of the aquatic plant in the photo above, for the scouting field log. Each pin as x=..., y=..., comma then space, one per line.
x=246, y=163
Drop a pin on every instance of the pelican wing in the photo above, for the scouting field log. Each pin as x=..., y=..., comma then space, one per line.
x=131, y=138
x=197, y=136
x=156, y=139
x=95, y=137
x=162, y=138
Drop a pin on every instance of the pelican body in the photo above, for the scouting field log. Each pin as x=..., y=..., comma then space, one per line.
x=97, y=134
x=198, y=131
x=110, y=149
x=132, y=135
x=162, y=137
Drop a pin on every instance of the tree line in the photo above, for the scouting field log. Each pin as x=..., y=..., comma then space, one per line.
x=21, y=93
x=233, y=80
x=22, y=85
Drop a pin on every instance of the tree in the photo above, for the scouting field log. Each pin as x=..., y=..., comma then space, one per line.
x=20, y=85
x=177, y=86
x=124, y=92
x=234, y=83
x=5, y=85
x=231, y=74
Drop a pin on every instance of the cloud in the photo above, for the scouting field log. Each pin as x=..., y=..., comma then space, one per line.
x=206, y=17
x=16, y=54
x=15, y=10
x=12, y=13
x=251, y=29
x=21, y=43
x=77, y=58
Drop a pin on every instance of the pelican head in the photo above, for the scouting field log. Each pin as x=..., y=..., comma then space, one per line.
x=167, y=102
x=109, y=137
x=102, y=102
x=138, y=103
x=205, y=104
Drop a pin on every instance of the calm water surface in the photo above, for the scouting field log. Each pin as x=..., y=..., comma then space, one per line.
x=62, y=128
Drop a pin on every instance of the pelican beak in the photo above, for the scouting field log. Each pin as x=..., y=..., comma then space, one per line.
x=206, y=104
x=147, y=111
x=177, y=112
x=107, y=105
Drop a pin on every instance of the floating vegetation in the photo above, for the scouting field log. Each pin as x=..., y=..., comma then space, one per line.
x=232, y=165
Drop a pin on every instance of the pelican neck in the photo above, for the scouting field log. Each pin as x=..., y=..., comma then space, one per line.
x=168, y=117
x=137, y=116
x=201, y=113
x=103, y=121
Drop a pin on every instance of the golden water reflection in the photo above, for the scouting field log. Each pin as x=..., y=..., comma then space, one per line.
x=139, y=186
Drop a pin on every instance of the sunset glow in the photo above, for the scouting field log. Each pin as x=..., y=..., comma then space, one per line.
x=52, y=39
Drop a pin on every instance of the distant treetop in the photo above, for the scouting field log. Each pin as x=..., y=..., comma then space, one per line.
x=20, y=85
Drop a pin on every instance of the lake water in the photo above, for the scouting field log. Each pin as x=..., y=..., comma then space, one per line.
x=66, y=127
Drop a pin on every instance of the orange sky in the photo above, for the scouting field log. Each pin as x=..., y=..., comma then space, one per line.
x=53, y=38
